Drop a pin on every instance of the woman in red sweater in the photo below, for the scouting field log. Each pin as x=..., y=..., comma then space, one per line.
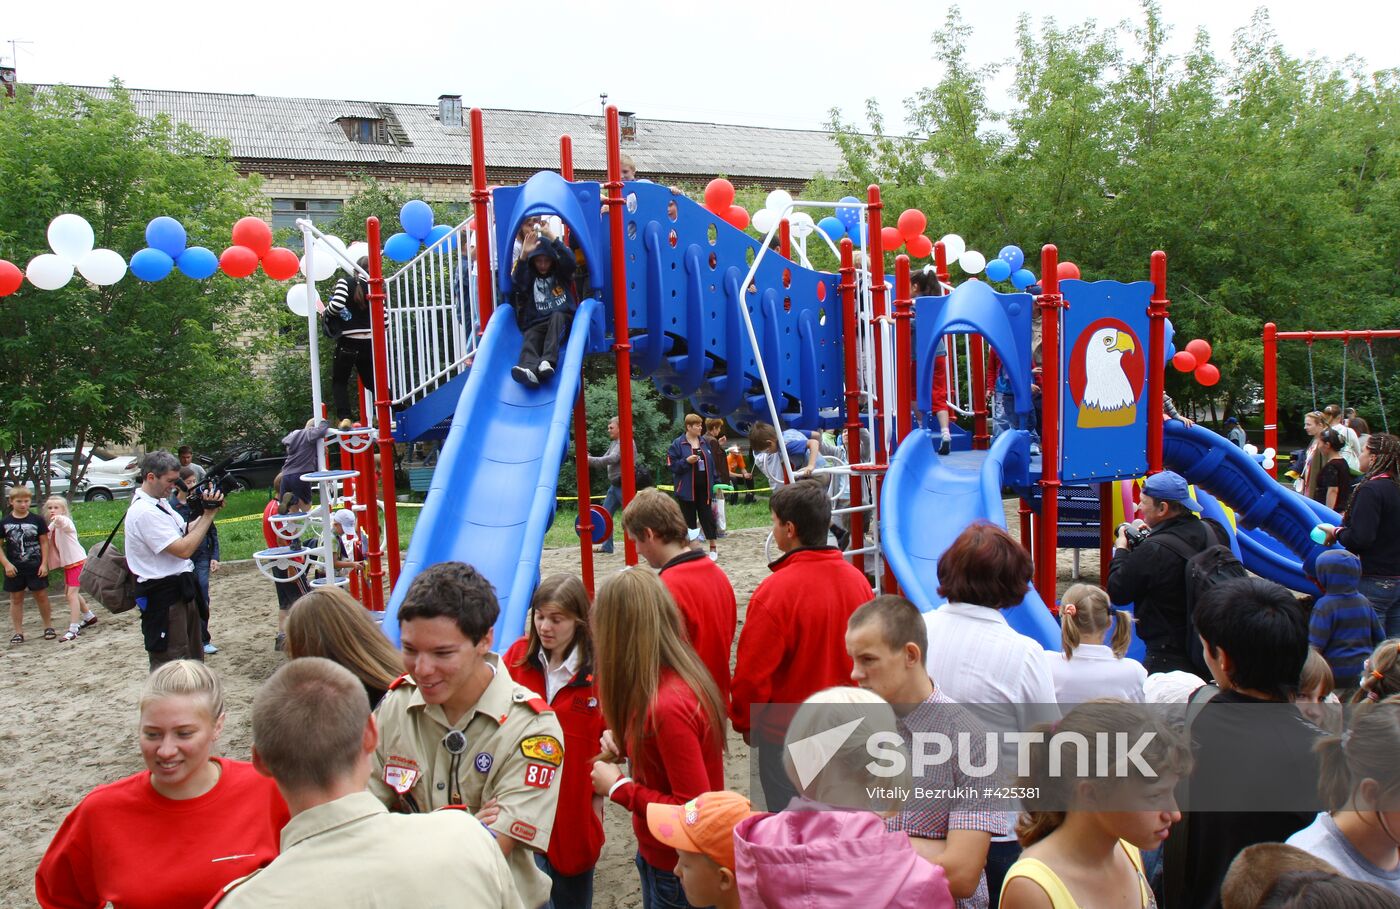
x=663, y=712
x=555, y=659
x=174, y=834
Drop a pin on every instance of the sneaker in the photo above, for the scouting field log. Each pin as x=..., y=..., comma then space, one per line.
x=546, y=370
x=281, y=641
x=945, y=445
x=211, y=649
x=524, y=376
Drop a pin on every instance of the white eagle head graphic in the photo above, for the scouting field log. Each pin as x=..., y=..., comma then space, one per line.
x=1106, y=385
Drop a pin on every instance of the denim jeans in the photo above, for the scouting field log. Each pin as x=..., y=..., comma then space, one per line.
x=201, y=574
x=660, y=889
x=569, y=891
x=613, y=503
x=1384, y=594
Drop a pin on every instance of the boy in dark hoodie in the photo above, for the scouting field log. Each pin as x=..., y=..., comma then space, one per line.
x=1343, y=626
x=544, y=305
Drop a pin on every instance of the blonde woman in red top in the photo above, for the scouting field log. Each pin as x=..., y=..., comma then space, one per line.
x=174, y=834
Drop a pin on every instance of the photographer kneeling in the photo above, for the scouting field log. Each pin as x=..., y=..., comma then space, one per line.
x=1149, y=569
x=159, y=547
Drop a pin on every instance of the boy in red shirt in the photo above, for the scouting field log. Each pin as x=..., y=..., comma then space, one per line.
x=794, y=639
x=699, y=586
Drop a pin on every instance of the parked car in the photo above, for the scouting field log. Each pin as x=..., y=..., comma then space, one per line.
x=249, y=468
x=95, y=486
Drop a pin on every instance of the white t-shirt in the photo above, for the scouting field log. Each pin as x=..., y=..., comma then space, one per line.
x=1095, y=673
x=152, y=525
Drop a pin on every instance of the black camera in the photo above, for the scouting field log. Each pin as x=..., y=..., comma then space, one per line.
x=196, y=497
x=1132, y=533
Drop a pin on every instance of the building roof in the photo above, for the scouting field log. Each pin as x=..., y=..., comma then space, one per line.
x=306, y=130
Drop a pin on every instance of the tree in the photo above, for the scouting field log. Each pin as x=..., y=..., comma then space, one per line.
x=100, y=364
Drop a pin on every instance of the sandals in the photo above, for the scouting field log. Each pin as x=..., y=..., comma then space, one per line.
x=17, y=638
x=50, y=634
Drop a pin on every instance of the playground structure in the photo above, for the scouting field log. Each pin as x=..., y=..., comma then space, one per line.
x=709, y=314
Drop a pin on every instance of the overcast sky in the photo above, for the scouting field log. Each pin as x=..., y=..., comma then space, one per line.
x=741, y=62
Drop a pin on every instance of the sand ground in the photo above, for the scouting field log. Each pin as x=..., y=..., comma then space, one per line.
x=70, y=709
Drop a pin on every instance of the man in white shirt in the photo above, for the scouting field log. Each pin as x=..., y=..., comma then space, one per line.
x=158, y=548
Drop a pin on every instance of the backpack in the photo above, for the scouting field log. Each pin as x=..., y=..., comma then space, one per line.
x=106, y=577
x=1204, y=570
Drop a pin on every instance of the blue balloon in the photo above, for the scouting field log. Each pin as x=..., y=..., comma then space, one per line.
x=849, y=214
x=833, y=227
x=1022, y=278
x=437, y=233
x=198, y=263
x=998, y=270
x=151, y=264
x=401, y=247
x=416, y=218
x=1013, y=256
x=166, y=235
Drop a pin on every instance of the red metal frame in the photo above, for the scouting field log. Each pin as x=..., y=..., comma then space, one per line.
x=485, y=280
x=383, y=417
x=585, y=497
x=1271, y=338
x=622, y=345
x=1156, y=356
x=1050, y=301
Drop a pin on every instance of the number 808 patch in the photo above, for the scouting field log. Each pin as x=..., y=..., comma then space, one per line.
x=539, y=775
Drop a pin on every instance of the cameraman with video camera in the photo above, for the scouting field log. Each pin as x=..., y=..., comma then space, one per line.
x=1149, y=569
x=159, y=548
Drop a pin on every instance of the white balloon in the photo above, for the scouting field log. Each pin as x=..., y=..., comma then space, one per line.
x=298, y=301
x=324, y=263
x=102, y=267
x=70, y=237
x=954, y=246
x=763, y=220
x=356, y=251
x=972, y=261
x=778, y=200
x=49, y=272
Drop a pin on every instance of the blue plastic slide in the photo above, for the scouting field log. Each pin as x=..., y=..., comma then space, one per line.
x=1275, y=521
x=492, y=495
x=928, y=500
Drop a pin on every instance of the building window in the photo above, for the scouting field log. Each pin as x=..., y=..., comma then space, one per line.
x=365, y=130
x=320, y=212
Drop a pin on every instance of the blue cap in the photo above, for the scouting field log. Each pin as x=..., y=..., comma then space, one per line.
x=1170, y=487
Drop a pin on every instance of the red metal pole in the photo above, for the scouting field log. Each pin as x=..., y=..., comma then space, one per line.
x=585, y=498
x=1271, y=390
x=1156, y=360
x=903, y=345
x=849, y=335
x=383, y=417
x=485, y=279
x=1046, y=564
x=785, y=238
x=621, y=344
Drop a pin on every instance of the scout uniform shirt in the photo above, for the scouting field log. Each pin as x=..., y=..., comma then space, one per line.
x=513, y=754
x=351, y=852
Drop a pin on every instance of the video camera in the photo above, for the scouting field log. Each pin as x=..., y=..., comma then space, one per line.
x=197, y=496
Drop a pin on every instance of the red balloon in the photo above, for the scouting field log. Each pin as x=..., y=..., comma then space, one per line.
x=890, y=239
x=1207, y=374
x=737, y=215
x=912, y=223
x=1067, y=271
x=719, y=197
x=280, y=263
x=919, y=247
x=1200, y=349
x=253, y=233
x=1184, y=361
x=10, y=278
x=238, y=261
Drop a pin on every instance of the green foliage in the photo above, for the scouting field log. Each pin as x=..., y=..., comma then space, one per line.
x=1272, y=183
x=99, y=364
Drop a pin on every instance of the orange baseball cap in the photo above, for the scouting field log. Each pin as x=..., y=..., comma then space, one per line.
x=705, y=824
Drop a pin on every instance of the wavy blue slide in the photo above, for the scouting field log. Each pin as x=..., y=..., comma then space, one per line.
x=492, y=495
x=928, y=500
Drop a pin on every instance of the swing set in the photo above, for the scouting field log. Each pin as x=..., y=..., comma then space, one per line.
x=1271, y=338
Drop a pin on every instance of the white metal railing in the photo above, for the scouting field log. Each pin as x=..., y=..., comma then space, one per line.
x=431, y=308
